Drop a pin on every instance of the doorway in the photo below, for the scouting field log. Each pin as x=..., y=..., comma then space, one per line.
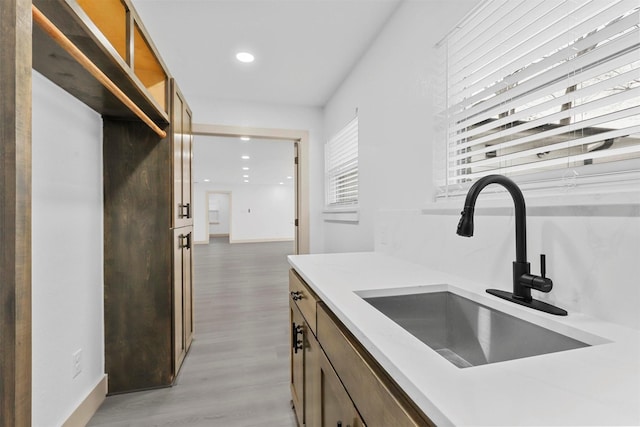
x=218, y=214
x=300, y=139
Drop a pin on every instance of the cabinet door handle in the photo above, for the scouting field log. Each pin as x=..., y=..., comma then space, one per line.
x=296, y=344
x=182, y=208
x=296, y=296
x=182, y=238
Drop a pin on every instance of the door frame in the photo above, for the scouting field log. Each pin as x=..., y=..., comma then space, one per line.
x=301, y=139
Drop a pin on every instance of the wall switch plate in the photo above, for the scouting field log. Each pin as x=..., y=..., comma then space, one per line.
x=77, y=363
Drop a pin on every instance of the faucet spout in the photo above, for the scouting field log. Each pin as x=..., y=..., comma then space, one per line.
x=465, y=226
x=523, y=280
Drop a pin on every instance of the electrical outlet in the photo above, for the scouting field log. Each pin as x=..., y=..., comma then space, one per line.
x=77, y=363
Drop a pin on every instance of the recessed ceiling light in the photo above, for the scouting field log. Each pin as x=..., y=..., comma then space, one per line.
x=246, y=180
x=245, y=176
x=282, y=183
x=289, y=177
x=245, y=157
x=207, y=180
x=245, y=168
x=245, y=138
x=245, y=57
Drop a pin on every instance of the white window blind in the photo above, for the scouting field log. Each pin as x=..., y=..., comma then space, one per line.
x=341, y=167
x=536, y=85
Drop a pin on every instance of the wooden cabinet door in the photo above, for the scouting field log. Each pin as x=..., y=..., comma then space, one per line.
x=177, y=106
x=187, y=287
x=187, y=160
x=312, y=384
x=179, y=347
x=182, y=146
x=297, y=360
x=183, y=323
x=336, y=408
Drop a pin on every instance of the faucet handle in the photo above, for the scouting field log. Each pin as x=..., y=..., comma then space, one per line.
x=540, y=283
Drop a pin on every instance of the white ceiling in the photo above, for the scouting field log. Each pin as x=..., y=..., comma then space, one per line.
x=304, y=49
x=218, y=159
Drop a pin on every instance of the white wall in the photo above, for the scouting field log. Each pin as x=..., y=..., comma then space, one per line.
x=390, y=87
x=219, y=204
x=67, y=250
x=258, y=212
x=592, y=248
x=208, y=110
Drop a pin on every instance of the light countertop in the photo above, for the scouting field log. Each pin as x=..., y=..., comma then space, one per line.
x=595, y=385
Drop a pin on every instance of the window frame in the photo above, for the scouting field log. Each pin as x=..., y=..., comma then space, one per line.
x=341, y=159
x=594, y=178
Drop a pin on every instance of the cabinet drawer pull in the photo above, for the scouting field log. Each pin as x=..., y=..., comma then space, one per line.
x=296, y=296
x=296, y=344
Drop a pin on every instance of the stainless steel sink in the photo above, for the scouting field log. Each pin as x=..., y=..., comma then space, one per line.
x=467, y=333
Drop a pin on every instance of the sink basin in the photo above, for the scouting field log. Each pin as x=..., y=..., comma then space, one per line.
x=467, y=333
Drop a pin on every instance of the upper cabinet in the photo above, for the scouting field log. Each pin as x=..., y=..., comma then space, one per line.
x=111, y=35
x=182, y=145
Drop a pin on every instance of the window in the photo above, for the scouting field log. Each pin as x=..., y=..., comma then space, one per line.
x=341, y=168
x=534, y=87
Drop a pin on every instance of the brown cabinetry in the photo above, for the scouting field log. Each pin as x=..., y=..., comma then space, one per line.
x=304, y=351
x=148, y=298
x=336, y=408
x=148, y=263
x=297, y=360
x=343, y=384
x=182, y=145
x=182, y=293
x=110, y=34
x=182, y=223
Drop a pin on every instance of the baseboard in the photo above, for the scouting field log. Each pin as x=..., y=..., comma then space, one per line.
x=201, y=242
x=83, y=413
x=275, y=239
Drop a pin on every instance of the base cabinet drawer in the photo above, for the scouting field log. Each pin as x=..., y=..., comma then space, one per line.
x=304, y=298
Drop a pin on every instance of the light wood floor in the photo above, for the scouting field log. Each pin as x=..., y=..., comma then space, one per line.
x=237, y=371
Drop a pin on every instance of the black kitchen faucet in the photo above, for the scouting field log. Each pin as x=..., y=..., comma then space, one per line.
x=523, y=280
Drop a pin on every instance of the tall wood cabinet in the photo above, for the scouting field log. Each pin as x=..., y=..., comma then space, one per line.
x=148, y=262
x=182, y=223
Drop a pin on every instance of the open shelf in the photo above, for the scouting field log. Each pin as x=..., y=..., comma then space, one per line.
x=147, y=67
x=110, y=16
x=96, y=28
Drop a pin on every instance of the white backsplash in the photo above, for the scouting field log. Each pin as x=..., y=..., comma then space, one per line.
x=593, y=252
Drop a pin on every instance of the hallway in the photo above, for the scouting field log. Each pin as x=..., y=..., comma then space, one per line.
x=237, y=371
